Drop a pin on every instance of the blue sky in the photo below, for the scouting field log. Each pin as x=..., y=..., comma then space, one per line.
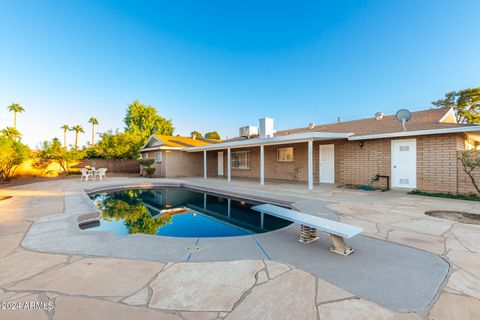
x=219, y=65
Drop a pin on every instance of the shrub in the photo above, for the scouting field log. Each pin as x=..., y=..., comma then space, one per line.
x=13, y=154
x=54, y=152
x=147, y=167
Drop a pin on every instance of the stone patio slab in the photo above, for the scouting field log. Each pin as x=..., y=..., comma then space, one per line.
x=454, y=307
x=426, y=242
x=360, y=309
x=23, y=264
x=291, y=296
x=327, y=292
x=75, y=308
x=428, y=226
x=214, y=286
x=94, y=277
x=9, y=242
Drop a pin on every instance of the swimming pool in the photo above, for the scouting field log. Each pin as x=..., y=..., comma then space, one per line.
x=178, y=212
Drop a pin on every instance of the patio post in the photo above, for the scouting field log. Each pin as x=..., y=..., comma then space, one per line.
x=262, y=165
x=228, y=165
x=310, y=165
x=204, y=164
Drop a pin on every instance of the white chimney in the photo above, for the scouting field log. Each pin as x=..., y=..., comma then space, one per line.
x=266, y=128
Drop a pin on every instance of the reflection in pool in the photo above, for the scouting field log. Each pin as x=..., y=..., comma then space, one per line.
x=179, y=212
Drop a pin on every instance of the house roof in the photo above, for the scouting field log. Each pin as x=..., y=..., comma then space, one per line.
x=425, y=122
x=430, y=119
x=175, y=142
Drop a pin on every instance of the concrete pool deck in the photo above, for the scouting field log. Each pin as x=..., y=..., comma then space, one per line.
x=270, y=272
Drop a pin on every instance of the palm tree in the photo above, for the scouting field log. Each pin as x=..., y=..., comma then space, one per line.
x=65, y=128
x=78, y=128
x=94, y=122
x=15, y=107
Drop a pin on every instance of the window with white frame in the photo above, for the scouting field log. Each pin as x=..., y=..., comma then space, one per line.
x=240, y=160
x=158, y=156
x=285, y=154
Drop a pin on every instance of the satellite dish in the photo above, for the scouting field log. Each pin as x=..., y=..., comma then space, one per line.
x=403, y=116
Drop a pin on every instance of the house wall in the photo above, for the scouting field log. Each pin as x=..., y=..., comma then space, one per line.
x=438, y=167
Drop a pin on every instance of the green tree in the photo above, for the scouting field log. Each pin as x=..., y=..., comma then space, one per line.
x=118, y=145
x=212, y=135
x=94, y=122
x=12, y=133
x=15, y=108
x=465, y=103
x=53, y=151
x=126, y=206
x=13, y=153
x=65, y=128
x=196, y=135
x=144, y=120
x=78, y=128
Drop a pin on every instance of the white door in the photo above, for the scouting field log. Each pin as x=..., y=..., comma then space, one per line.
x=220, y=163
x=327, y=163
x=404, y=163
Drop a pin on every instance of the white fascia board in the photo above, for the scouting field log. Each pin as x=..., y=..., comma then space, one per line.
x=148, y=141
x=291, y=138
x=417, y=133
x=160, y=148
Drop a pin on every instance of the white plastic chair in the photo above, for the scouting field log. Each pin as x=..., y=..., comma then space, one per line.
x=101, y=174
x=86, y=174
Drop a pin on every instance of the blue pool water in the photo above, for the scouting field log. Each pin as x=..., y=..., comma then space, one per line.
x=179, y=212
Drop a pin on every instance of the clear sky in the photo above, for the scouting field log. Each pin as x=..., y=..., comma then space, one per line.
x=219, y=65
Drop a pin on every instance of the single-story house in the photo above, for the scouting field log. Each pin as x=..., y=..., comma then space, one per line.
x=422, y=155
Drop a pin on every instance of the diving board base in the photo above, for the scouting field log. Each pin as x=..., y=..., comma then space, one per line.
x=307, y=234
x=339, y=246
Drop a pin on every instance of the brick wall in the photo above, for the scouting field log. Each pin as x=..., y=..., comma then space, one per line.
x=437, y=163
x=113, y=165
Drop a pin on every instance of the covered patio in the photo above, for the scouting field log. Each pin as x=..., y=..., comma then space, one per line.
x=297, y=141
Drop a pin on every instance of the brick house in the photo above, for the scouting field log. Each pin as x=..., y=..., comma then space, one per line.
x=424, y=156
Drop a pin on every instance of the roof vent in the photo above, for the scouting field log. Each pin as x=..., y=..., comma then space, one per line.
x=311, y=125
x=378, y=115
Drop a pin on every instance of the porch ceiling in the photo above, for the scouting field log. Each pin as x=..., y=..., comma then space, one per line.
x=293, y=138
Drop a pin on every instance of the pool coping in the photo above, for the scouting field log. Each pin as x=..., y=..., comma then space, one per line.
x=61, y=234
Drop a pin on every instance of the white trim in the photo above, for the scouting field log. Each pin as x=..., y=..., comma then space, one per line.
x=159, y=148
x=471, y=128
x=450, y=112
x=262, y=165
x=392, y=148
x=229, y=166
x=310, y=165
x=152, y=136
x=291, y=138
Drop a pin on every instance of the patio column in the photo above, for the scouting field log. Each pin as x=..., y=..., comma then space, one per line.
x=310, y=165
x=204, y=164
x=229, y=165
x=262, y=165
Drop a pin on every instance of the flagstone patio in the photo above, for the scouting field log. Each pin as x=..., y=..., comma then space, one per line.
x=95, y=287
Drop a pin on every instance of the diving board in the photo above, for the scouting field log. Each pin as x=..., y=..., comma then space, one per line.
x=309, y=225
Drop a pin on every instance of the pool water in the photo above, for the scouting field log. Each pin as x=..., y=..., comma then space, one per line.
x=179, y=212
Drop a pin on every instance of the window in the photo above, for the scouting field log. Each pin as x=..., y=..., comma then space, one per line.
x=285, y=154
x=158, y=156
x=241, y=160
x=145, y=155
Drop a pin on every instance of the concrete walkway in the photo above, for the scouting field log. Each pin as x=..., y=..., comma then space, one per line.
x=238, y=289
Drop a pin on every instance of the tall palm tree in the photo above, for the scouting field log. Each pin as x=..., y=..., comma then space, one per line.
x=94, y=122
x=65, y=128
x=78, y=128
x=15, y=107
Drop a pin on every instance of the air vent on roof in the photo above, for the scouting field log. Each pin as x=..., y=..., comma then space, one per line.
x=311, y=125
x=379, y=115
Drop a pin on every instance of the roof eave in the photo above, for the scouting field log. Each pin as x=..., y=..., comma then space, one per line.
x=292, y=138
x=417, y=133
